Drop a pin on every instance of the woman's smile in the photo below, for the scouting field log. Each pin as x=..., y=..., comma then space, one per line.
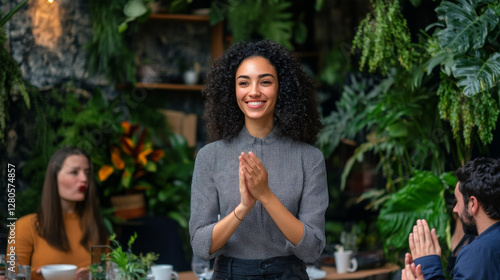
x=257, y=90
x=255, y=104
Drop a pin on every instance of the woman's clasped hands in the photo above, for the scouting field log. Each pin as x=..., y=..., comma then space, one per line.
x=253, y=179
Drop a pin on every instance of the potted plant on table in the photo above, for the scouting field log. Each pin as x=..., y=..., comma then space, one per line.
x=129, y=170
x=123, y=264
x=130, y=266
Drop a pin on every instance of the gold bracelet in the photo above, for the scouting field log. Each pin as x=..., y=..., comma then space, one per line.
x=234, y=211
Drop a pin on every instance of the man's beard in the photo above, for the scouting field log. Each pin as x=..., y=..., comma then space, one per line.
x=468, y=223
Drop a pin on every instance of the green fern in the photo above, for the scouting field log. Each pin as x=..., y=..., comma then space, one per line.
x=349, y=116
x=242, y=18
x=278, y=28
x=267, y=19
x=399, y=122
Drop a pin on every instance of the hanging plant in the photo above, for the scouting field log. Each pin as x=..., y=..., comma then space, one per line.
x=383, y=38
x=467, y=115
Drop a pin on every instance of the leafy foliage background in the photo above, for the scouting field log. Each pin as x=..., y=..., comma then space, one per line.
x=436, y=100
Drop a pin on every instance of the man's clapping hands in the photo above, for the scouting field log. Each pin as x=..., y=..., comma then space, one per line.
x=423, y=242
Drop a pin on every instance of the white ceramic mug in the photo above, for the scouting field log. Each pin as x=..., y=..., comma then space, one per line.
x=345, y=262
x=164, y=272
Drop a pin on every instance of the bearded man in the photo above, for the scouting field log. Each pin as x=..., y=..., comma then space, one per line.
x=478, y=207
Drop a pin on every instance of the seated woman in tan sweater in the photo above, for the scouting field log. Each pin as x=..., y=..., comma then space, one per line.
x=68, y=221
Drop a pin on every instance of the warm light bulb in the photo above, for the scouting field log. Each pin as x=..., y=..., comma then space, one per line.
x=50, y=1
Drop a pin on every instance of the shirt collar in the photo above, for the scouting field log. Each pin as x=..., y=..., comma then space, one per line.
x=246, y=137
x=491, y=228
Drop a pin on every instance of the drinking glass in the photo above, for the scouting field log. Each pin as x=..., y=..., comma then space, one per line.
x=200, y=267
x=99, y=263
x=23, y=272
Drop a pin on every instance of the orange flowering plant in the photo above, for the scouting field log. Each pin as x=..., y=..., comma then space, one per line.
x=133, y=160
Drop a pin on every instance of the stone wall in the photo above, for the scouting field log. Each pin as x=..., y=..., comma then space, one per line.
x=48, y=41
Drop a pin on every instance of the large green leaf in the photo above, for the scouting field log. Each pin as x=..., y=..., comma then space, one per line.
x=421, y=198
x=475, y=75
x=464, y=27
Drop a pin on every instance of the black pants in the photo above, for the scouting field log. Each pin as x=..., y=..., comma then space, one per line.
x=289, y=267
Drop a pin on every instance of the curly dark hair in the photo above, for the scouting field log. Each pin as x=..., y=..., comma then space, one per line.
x=481, y=178
x=296, y=113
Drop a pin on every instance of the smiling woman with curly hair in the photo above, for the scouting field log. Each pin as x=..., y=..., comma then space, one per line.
x=296, y=111
x=259, y=191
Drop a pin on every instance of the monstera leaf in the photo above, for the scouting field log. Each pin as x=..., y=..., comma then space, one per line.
x=464, y=27
x=475, y=75
x=421, y=198
x=443, y=57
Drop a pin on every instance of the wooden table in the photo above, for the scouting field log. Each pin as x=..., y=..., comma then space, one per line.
x=187, y=275
x=331, y=273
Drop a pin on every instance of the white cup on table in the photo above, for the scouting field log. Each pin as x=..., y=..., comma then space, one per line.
x=345, y=262
x=164, y=272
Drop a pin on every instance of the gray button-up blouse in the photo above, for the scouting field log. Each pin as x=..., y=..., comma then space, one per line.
x=296, y=176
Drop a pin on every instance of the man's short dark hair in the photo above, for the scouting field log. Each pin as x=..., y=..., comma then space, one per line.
x=481, y=178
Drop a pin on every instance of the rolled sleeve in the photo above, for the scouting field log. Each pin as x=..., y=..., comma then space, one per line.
x=313, y=205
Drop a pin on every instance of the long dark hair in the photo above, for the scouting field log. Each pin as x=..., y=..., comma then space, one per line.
x=50, y=224
x=296, y=113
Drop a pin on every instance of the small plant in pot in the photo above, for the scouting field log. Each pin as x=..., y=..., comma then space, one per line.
x=124, y=264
